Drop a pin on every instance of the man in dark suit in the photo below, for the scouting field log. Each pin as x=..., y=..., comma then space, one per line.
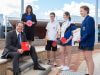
x=13, y=49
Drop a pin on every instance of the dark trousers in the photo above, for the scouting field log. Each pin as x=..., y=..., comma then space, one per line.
x=15, y=56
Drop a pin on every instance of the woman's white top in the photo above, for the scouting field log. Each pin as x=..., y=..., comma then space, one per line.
x=52, y=29
x=64, y=26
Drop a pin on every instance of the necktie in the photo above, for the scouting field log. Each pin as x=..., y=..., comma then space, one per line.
x=19, y=38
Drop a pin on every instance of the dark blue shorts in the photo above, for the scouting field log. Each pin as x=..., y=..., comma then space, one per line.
x=84, y=48
x=49, y=46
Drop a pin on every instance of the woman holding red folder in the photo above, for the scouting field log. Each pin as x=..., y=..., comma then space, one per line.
x=29, y=20
x=66, y=40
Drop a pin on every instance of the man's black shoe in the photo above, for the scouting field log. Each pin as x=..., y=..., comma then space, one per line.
x=38, y=67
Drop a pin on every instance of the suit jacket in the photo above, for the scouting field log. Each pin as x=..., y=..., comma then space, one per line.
x=88, y=32
x=12, y=44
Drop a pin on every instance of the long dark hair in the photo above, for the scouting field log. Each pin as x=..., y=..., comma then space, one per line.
x=29, y=6
x=68, y=14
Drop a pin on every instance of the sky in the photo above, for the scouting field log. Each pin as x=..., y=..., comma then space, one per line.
x=42, y=8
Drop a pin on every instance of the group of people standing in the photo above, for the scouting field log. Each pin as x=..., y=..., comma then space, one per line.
x=54, y=32
x=86, y=42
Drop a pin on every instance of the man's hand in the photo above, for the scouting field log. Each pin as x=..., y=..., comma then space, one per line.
x=20, y=51
x=29, y=46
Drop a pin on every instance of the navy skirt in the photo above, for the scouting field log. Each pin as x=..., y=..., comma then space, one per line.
x=85, y=48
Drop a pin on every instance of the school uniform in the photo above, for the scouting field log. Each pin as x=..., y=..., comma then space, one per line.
x=69, y=33
x=64, y=26
x=66, y=32
x=87, y=34
x=52, y=28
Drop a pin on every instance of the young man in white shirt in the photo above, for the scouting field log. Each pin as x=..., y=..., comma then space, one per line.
x=51, y=35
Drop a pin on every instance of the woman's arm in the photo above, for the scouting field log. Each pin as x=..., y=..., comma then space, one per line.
x=23, y=19
x=58, y=31
x=34, y=20
x=70, y=38
x=89, y=29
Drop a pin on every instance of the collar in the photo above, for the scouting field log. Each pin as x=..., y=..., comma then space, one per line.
x=17, y=32
x=86, y=16
x=52, y=22
x=67, y=21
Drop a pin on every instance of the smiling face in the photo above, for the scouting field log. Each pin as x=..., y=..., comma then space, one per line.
x=19, y=27
x=66, y=17
x=52, y=17
x=29, y=10
x=84, y=11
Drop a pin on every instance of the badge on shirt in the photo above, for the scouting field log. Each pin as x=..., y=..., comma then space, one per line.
x=54, y=27
x=83, y=28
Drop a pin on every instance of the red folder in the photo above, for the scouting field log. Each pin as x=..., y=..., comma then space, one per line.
x=54, y=43
x=63, y=40
x=25, y=46
x=29, y=23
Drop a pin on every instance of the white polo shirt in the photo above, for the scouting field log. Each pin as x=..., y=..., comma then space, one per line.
x=52, y=28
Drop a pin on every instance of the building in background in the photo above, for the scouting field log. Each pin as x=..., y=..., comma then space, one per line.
x=1, y=26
